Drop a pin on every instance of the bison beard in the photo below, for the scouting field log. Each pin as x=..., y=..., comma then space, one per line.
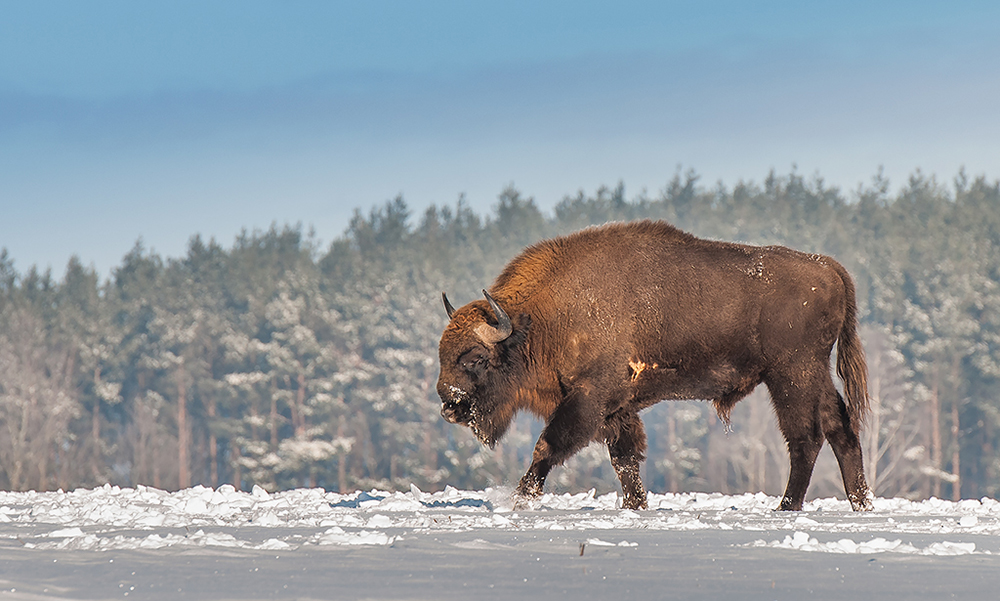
x=587, y=330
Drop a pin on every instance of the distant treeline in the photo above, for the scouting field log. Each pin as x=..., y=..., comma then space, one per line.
x=280, y=363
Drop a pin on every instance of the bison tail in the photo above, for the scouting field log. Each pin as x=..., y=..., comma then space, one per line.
x=851, y=365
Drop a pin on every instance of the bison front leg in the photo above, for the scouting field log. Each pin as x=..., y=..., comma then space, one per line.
x=626, y=440
x=533, y=481
x=571, y=427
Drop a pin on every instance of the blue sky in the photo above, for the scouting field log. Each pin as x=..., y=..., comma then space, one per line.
x=121, y=120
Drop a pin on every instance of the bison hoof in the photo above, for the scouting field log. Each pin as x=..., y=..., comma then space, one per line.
x=527, y=491
x=787, y=504
x=635, y=502
x=529, y=487
x=862, y=502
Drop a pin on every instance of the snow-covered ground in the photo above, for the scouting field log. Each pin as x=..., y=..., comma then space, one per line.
x=311, y=544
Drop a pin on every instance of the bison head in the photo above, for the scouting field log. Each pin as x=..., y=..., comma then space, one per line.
x=479, y=364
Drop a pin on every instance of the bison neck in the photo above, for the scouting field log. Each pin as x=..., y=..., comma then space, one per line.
x=528, y=392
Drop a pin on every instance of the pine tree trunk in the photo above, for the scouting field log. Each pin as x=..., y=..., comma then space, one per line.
x=300, y=401
x=956, y=455
x=253, y=422
x=157, y=480
x=274, y=415
x=95, y=437
x=342, y=473
x=672, y=448
x=427, y=450
x=63, y=478
x=95, y=432
x=16, y=482
x=213, y=446
x=183, y=475
x=274, y=423
x=935, y=438
x=875, y=426
x=43, y=465
x=237, y=468
x=341, y=461
x=757, y=467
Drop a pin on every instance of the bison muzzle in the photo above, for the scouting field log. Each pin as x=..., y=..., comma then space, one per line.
x=587, y=330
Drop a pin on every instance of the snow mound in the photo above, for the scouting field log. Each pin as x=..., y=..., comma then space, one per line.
x=800, y=541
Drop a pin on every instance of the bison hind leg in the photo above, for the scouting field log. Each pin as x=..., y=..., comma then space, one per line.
x=842, y=438
x=626, y=439
x=810, y=410
x=796, y=405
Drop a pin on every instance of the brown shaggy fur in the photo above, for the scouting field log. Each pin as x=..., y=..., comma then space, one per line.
x=613, y=319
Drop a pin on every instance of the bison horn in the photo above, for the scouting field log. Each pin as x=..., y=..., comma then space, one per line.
x=447, y=305
x=504, y=329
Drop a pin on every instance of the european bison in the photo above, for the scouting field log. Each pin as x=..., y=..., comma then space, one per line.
x=588, y=329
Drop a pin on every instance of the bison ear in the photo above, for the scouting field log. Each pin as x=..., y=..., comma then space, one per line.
x=447, y=306
x=522, y=323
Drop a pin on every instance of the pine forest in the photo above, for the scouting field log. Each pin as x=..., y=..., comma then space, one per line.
x=284, y=363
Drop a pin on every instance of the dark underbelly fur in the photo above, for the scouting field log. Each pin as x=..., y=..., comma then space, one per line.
x=719, y=383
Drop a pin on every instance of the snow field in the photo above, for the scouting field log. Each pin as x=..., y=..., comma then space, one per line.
x=112, y=518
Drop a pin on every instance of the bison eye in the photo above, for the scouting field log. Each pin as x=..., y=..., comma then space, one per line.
x=473, y=361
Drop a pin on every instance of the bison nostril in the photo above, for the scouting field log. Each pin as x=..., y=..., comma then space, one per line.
x=455, y=413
